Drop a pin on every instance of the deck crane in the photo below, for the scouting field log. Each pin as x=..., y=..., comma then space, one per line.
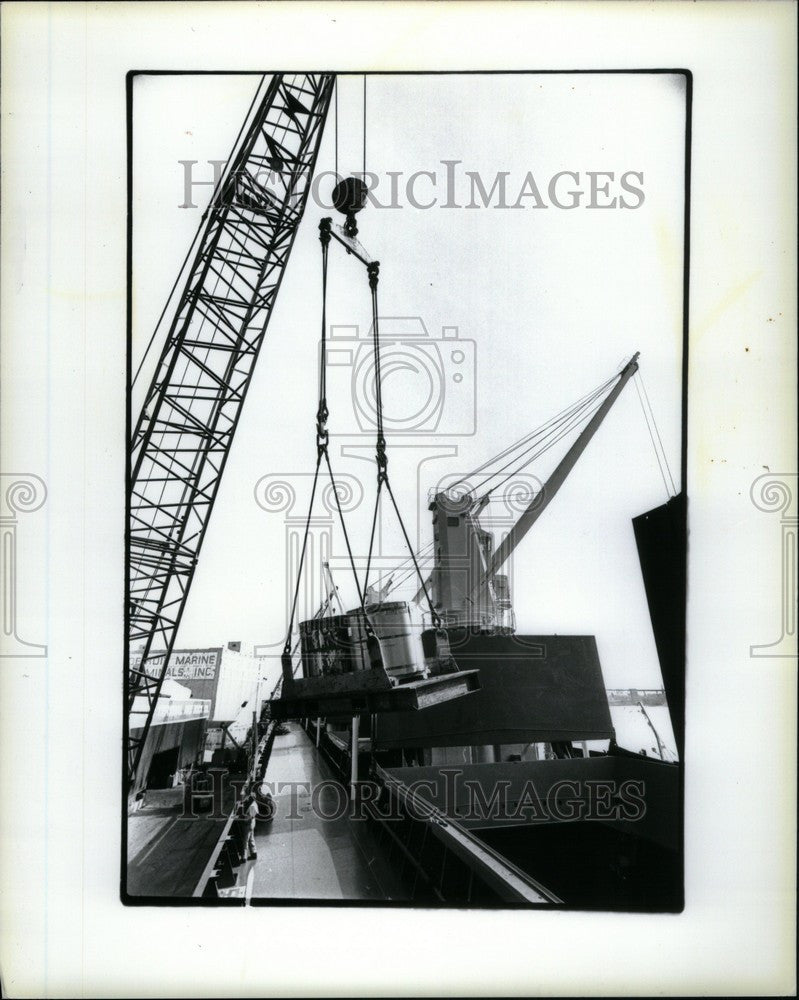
x=466, y=584
x=190, y=412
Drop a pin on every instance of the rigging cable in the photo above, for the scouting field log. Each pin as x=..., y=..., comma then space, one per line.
x=287, y=646
x=578, y=419
x=322, y=437
x=537, y=432
x=565, y=423
x=405, y=575
x=640, y=375
x=373, y=272
x=652, y=439
x=534, y=434
x=335, y=122
x=401, y=569
x=559, y=430
x=364, y=126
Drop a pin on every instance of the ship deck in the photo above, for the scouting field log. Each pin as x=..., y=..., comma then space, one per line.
x=302, y=854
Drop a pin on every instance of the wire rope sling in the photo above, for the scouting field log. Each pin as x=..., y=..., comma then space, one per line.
x=371, y=637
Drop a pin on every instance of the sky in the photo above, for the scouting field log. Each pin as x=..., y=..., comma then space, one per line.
x=545, y=303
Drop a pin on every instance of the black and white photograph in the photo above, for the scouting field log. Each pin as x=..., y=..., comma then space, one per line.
x=398, y=504
x=420, y=640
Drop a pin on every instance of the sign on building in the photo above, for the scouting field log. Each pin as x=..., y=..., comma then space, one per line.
x=196, y=669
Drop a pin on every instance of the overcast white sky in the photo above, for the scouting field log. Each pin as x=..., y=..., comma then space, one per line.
x=553, y=300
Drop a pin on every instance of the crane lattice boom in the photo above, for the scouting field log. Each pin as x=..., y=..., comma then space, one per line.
x=190, y=412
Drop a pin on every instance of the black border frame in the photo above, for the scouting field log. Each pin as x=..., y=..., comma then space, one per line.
x=182, y=901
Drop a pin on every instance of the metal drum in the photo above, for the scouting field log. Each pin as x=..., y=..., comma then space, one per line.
x=329, y=646
x=399, y=640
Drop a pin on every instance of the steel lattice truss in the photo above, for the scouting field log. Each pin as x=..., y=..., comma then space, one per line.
x=183, y=436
